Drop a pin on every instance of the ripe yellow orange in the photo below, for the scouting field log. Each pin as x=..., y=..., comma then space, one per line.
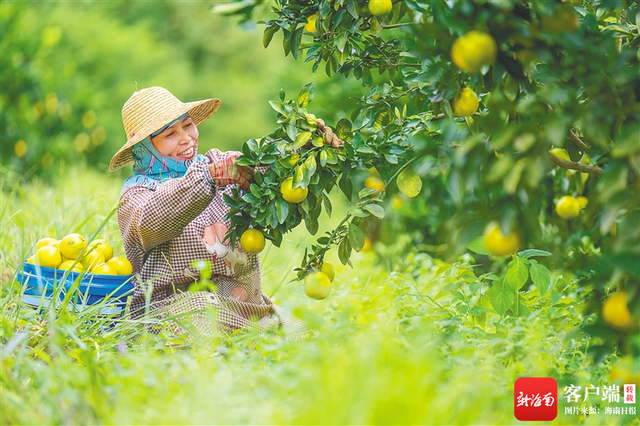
x=92, y=259
x=71, y=264
x=252, y=241
x=293, y=195
x=616, y=312
x=101, y=246
x=374, y=182
x=625, y=370
x=310, y=26
x=465, y=103
x=474, y=50
x=368, y=245
x=104, y=269
x=48, y=256
x=568, y=207
x=328, y=270
x=583, y=201
x=47, y=241
x=317, y=285
x=497, y=243
x=72, y=245
x=380, y=7
x=121, y=265
x=32, y=260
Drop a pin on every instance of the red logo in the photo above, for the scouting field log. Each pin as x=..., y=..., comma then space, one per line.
x=535, y=399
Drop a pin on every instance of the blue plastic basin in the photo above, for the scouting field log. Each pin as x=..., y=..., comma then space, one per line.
x=42, y=284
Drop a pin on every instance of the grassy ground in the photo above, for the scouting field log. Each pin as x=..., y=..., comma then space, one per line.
x=386, y=353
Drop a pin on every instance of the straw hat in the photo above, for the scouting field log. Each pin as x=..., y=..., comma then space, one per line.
x=148, y=110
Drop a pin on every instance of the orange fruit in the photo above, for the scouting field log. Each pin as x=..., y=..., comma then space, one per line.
x=292, y=195
x=380, y=7
x=583, y=201
x=317, y=285
x=568, y=207
x=71, y=264
x=616, y=312
x=474, y=50
x=328, y=270
x=121, y=265
x=497, y=243
x=72, y=245
x=48, y=256
x=92, y=259
x=252, y=241
x=101, y=246
x=104, y=269
x=47, y=241
x=374, y=182
x=465, y=103
x=310, y=26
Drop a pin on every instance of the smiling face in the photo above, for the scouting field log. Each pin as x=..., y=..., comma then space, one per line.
x=178, y=141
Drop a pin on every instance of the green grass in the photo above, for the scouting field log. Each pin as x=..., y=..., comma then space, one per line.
x=391, y=349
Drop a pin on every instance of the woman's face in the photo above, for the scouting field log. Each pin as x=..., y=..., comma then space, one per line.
x=179, y=140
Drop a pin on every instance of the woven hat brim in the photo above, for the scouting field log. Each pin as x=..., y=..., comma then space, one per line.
x=200, y=111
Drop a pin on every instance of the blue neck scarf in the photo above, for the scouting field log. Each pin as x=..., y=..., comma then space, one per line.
x=150, y=168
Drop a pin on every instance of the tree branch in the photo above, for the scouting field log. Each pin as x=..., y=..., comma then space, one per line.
x=582, y=168
x=575, y=139
x=402, y=24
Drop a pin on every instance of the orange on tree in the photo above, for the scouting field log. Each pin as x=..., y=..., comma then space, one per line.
x=380, y=7
x=368, y=245
x=317, y=285
x=328, y=270
x=560, y=153
x=48, y=256
x=72, y=245
x=583, y=201
x=310, y=26
x=409, y=182
x=474, y=50
x=497, y=243
x=121, y=265
x=46, y=241
x=292, y=195
x=616, y=312
x=374, y=182
x=252, y=241
x=465, y=103
x=568, y=207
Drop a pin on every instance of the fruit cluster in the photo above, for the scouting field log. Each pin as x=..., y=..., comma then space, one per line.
x=74, y=253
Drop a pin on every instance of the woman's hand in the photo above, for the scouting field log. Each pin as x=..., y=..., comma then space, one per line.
x=228, y=172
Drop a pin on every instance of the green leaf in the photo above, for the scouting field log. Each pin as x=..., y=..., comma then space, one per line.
x=375, y=210
x=533, y=252
x=292, y=131
x=356, y=236
x=477, y=246
x=327, y=204
x=278, y=107
x=517, y=273
x=281, y=94
x=301, y=139
x=344, y=251
x=501, y=296
x=343, y=129
x=540, y=277
x=309, y=168
x=346, y=185
x=359, y=213
x=352, y=8
x=269, y=31
x=311, y=222
x=282, y=210
x=323, y=157
x=306, y=94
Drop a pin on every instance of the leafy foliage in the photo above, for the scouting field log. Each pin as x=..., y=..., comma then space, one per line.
x=566, y=76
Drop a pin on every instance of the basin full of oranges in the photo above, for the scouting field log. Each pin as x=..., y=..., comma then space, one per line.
x=74, y=252
x=72, y=269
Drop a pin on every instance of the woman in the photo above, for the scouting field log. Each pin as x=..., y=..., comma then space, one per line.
x=171, y=214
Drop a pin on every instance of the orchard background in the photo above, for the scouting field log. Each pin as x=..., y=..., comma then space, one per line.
x=433, y=313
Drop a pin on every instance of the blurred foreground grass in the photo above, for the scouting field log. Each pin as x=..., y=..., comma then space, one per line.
x=387, y=351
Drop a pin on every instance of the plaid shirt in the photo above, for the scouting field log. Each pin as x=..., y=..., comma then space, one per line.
x=166, y=229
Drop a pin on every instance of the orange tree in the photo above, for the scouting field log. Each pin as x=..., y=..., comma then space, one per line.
x=522, y=118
